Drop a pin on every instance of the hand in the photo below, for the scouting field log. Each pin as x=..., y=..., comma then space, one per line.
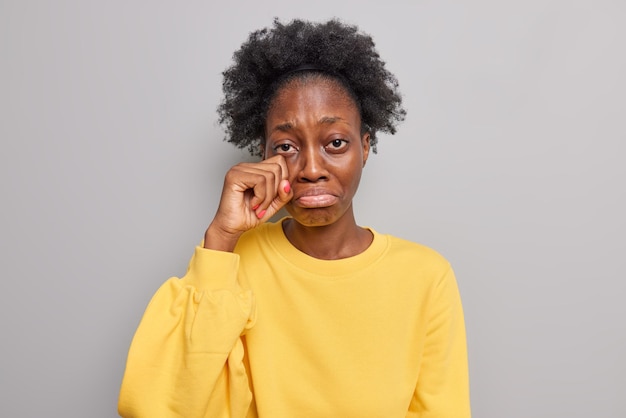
x=252, y=193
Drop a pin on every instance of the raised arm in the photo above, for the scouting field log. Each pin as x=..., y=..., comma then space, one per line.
x=186, y=358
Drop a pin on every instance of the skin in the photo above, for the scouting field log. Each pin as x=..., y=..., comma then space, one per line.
x=314, y=157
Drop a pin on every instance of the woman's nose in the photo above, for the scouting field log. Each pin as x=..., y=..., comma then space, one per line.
x=312, y=167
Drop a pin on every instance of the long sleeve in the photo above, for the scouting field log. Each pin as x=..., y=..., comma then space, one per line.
x=186, y=358
x=443, y=384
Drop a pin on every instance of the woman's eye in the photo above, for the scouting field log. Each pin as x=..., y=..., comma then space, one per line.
x=283, y=148
x=337, y=144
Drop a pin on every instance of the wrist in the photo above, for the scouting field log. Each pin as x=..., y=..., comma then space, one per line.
x=216, y=238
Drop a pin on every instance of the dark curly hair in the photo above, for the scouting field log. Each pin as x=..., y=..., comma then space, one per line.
x=273, y=56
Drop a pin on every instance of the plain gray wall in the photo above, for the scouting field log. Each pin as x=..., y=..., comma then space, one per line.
x=510, y=163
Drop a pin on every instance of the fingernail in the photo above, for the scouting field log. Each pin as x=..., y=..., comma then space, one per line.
x=255, y=207
x=261, y=214
x=287, y=188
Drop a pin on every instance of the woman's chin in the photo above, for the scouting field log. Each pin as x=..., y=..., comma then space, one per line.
x=314, y=217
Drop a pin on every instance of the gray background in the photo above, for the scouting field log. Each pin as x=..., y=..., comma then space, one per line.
x=510, y=163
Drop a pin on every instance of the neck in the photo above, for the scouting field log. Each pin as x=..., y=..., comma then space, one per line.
x=340, y=239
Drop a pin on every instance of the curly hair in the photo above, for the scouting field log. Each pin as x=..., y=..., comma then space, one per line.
x=271, y=57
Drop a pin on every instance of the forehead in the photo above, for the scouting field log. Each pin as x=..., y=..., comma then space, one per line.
x=312, y=93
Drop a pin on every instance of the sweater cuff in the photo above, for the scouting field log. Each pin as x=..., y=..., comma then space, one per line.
x=212, y=270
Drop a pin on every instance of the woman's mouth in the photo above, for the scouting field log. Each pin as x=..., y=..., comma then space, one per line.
x=315, y=200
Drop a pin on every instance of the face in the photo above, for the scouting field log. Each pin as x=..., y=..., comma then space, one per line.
x=316, y=127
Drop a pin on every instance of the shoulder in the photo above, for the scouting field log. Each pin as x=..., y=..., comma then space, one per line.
x=415, y=256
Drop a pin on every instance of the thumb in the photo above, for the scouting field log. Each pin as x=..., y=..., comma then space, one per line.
x=284, y=192
x=284, y=195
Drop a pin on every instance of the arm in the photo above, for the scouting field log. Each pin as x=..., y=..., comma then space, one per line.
x=186, y=359
x=443, y=385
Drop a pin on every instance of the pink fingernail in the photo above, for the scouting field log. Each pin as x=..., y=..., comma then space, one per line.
x=287, y=188
x=255, y=207
x=261, y=214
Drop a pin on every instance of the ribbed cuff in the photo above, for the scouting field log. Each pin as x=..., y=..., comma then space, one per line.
x=212, y=270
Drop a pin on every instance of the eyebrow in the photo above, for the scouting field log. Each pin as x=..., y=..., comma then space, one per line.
x=283, y=127
x=325, y=120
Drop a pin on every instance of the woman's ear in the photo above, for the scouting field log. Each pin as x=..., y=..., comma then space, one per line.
x=365, y=142
x=262, y=149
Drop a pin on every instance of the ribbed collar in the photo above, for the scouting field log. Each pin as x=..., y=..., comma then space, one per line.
x=336, y=269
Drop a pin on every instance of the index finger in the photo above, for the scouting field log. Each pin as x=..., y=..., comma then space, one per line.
x=280, y=160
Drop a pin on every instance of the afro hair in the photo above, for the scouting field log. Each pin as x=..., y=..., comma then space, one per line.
x=272, y=56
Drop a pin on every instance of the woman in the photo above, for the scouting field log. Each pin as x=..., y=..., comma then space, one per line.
x=312, y=316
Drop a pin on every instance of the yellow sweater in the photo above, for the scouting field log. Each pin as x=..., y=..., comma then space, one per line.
x=270, y=332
